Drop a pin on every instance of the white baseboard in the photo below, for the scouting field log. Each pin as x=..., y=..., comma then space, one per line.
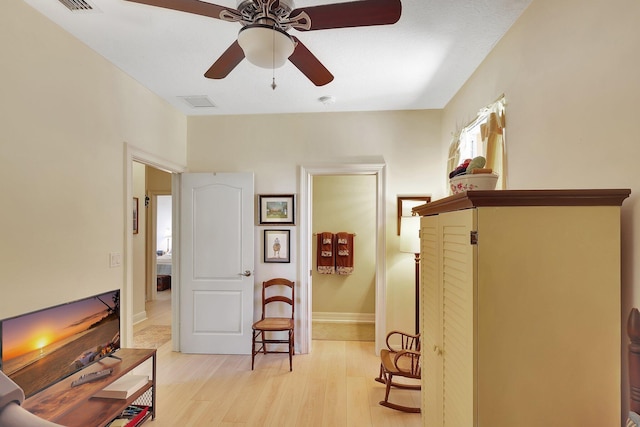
x=331, y=317
x=139, y=317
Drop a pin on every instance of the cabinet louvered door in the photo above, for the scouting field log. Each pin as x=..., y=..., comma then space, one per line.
x=457, y=304
x=430, y=322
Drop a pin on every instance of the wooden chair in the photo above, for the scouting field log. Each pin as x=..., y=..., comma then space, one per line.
x=274, y=324
x=403, y=361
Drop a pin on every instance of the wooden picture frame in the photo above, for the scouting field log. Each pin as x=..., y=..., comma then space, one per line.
x=276, y=209
x=135, y=215
x=277, y=246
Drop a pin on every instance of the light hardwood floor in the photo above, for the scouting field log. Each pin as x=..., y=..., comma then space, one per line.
x=332, y=386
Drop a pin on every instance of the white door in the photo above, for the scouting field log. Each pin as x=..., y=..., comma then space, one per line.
x=216, y=263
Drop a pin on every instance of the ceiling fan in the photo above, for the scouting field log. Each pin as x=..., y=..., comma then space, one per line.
x=264, y=39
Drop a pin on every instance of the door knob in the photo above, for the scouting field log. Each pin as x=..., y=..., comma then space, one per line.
x=246, y=273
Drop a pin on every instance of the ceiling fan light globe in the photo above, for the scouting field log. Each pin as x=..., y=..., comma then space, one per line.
x=265, y=46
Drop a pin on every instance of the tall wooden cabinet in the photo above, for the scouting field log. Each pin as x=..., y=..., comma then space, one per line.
x=520, y=315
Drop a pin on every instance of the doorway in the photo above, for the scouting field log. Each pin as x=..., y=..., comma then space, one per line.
x=159, y=254
x=344, y=304
x=152, y=256
x=131, y=288
x=306, y=263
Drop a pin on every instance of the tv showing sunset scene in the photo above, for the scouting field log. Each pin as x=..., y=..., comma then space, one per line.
x=40, y=348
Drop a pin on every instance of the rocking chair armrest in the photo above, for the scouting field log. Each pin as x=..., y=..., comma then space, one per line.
x=408, y=362
x=408, y=341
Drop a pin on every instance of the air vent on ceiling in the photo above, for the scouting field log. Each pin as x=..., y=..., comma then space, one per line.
x=76, y=5
x=199, y=101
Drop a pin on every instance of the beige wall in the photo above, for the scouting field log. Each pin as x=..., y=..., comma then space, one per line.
x=569, y=71
x=274, y=147
x=346, y=203
x=65, y=117
x=158, y=181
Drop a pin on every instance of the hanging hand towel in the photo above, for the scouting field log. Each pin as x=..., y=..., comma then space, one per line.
x=326, y=258
x=344, y=259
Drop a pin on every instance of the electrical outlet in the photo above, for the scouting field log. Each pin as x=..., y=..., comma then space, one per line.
x=115, y=259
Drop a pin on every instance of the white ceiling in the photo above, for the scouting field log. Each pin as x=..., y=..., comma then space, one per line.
x=418, y=63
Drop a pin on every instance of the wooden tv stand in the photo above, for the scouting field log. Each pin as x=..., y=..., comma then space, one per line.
x=76, y=406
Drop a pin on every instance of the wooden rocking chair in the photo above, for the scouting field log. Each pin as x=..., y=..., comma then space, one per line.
x=402, y=361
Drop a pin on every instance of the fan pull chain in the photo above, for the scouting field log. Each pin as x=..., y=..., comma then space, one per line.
x=273, y=59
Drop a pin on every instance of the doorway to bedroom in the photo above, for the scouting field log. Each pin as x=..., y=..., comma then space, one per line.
x=152, y=250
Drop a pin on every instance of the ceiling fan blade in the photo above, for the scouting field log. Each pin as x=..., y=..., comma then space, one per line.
x=226, y=63
x=191, y=6
x=352, y=14
x=310, y=66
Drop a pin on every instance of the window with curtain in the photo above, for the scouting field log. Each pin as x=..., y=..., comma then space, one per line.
x=484, y=136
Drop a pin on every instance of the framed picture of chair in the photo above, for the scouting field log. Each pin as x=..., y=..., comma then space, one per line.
x=276, y=246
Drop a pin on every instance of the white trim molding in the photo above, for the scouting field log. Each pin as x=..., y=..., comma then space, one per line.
x=140, y=317
x=351, y=318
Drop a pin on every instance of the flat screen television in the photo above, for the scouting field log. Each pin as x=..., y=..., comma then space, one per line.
x=40, y=348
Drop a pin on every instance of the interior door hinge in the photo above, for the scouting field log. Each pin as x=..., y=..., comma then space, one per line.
x=473, y=237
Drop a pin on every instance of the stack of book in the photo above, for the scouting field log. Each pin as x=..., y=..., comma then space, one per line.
x=133, y=416
x=123, y=387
